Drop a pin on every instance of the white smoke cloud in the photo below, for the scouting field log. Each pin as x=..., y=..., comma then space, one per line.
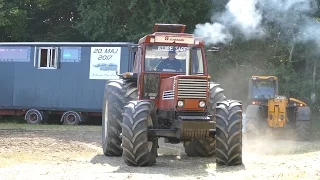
x=244, y=16
x=248, y=19
x=213, y=33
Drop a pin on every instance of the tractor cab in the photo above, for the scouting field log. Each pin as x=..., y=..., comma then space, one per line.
x=262, y=88
x=171, y=68
x=169, y=42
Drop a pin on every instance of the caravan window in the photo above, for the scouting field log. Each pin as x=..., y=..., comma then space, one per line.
x=47, y=57
x=15, y=54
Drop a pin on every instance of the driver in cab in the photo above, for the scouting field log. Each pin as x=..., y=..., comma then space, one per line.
x=170, y=63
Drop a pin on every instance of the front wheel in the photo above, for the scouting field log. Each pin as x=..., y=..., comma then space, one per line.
x=229, y=133
x=138, y=148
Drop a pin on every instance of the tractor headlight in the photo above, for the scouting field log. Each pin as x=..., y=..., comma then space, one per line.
x=202, y=104
x=180, y=103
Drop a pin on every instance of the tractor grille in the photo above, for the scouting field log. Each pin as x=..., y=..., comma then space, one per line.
x=192, y=88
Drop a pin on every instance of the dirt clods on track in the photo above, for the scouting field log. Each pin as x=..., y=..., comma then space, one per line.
x=75, y=153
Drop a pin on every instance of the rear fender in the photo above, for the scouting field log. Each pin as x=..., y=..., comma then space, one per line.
x=303, y=113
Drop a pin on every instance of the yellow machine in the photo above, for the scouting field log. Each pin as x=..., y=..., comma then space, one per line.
x=267, y=109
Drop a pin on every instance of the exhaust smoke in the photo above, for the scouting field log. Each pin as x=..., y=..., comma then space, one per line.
x=259, y=19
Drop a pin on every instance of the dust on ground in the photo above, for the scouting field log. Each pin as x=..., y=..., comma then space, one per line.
x=77, y=154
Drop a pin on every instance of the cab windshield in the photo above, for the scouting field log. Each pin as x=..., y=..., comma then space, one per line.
x=172, y=59
x=263, y=89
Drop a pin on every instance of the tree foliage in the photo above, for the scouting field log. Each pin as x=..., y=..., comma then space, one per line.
x=39, y=20
x=109, y=20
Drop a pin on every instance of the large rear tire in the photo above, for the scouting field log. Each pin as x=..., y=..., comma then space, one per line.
x=229, y=133
x=138, y=149
x=216, y=94
x=206, y=147
x=116, y=94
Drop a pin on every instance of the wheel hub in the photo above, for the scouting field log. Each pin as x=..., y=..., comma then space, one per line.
x=71, y=118
x=33, y=117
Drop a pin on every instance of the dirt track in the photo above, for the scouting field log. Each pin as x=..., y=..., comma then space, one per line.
x=77, y=154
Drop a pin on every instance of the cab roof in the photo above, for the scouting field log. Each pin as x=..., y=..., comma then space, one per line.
x=265, y=77
x=170, y=33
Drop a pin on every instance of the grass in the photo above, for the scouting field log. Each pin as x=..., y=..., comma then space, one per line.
x=20, y=124
x=48, y=127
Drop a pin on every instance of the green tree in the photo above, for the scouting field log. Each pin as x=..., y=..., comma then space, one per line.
x=108, y=20
x=39, y=20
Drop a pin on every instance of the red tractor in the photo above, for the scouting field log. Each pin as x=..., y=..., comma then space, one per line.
x=177, y=102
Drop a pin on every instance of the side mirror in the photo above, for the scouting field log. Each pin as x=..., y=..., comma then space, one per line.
x=133, y=47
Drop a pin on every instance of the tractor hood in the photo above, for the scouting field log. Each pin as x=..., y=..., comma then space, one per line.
x=184, y=92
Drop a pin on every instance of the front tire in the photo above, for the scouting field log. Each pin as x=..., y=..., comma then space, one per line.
x=229, y=133
x=138, y=150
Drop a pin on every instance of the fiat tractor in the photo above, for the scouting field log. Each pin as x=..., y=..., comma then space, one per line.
x=267, y=111
x=180, y=105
